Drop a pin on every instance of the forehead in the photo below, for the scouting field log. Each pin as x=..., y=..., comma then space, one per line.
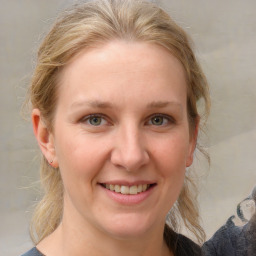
x=132, y=67
x=125, y=53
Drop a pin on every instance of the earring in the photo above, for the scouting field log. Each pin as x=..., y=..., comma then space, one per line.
x=51, y=161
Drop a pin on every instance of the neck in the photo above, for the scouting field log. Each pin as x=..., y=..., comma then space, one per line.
x=67, y=239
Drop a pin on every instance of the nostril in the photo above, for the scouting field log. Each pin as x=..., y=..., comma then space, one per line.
x=129, y=150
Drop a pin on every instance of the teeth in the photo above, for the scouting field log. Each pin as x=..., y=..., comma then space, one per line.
x=144, y=187
x=117, y=188
x=127, y=190
x=133, y=190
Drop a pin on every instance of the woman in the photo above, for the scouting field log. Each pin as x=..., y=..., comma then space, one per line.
x=114, y=98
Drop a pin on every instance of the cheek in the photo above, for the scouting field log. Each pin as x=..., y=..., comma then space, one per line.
x=170, y=159
x=79, y=167
x=78, y=157
x=171, y=154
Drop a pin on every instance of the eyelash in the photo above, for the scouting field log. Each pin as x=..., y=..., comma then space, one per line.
x=87, y=119
x=168, y=119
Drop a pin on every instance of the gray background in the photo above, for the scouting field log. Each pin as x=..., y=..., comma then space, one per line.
x=224, y=33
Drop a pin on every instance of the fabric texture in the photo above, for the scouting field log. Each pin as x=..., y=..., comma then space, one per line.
x=229, y=240
x=179, y=244
x=186, y=247
x=237, y=236
x=33, y=252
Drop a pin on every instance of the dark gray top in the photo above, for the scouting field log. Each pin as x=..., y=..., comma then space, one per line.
x=33, y=252
x=237, y=236
x=229, y=240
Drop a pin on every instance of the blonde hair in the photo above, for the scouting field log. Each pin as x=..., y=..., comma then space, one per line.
x=85, y=26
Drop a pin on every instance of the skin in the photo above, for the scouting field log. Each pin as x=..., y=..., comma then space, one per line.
x=137, y=92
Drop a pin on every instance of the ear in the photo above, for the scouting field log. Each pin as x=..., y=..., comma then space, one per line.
x=192, y=143
x=44, y=138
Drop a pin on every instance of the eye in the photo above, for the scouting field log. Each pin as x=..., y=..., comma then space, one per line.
x=94, y=120
x=159, y=120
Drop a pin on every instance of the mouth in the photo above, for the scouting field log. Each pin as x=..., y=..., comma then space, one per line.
x=128, y=190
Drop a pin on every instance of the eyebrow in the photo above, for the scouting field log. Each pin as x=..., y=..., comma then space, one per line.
x=106, y=104
x=93, y=103
x=163, y=104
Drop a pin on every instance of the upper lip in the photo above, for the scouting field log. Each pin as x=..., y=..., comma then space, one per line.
x=128, y=183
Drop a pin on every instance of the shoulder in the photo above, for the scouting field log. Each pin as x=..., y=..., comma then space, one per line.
x=33, y=252
x=226, y=241
x=180, y=244
x=232, y=238
x=185, y=246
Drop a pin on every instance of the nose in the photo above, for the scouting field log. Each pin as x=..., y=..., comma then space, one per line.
x=129, y=151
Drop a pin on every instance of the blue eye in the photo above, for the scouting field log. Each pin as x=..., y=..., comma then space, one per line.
x=94, y=120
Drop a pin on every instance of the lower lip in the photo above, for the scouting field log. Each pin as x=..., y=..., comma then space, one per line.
x=129, y=199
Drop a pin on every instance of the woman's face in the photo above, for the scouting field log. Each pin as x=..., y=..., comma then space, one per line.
x=121, y=137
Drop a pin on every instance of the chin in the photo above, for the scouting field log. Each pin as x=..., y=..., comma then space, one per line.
x=129, y=227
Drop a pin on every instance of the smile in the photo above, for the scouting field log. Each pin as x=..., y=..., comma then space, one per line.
x=127, y=190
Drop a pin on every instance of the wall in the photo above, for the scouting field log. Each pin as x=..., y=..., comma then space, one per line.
x=224, y=36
